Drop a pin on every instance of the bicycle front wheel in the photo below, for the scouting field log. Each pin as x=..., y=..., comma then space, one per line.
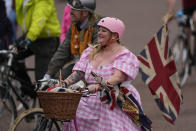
x=32, y=120
x=180, y=51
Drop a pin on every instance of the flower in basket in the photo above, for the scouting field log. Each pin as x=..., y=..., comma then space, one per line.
x=80, y=85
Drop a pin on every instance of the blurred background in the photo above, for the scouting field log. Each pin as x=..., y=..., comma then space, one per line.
x=143, y=19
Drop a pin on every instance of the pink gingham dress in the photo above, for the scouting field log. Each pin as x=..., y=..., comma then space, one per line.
x=92, y=115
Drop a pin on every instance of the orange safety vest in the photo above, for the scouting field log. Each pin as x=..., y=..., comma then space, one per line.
x=80, y=40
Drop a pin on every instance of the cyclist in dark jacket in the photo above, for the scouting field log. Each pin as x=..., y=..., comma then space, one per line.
x=82, y=31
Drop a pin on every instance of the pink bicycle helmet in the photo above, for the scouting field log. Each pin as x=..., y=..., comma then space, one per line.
x=115, y=25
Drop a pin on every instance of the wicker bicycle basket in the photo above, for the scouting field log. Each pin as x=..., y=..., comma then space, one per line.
x=59, y=105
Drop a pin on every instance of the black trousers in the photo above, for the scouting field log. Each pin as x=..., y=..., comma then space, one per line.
x=43, y=49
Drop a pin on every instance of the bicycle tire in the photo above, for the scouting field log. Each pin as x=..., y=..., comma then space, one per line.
x=8, y=111
x=180, y=51
x=21, y=121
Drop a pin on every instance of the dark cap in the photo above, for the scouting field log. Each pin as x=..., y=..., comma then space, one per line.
x=89, y=5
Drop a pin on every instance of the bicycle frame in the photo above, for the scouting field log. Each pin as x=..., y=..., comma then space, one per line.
x=7, y=83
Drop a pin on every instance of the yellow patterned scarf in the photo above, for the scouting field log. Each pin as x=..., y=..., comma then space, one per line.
x=80, y=40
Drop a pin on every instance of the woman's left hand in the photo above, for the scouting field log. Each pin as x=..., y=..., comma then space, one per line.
x=167, y=18
x=94, y=88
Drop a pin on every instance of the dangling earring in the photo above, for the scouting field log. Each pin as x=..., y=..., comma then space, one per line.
x=115, y=39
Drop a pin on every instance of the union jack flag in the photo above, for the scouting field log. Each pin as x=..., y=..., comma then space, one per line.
x=159, y=72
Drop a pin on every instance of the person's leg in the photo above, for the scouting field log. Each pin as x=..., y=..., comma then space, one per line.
x=19, y=68
x=26, y=86
x=44, y=50
x=41, y=63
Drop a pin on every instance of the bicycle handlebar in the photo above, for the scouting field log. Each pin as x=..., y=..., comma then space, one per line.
x=12, y=50
x=10, y=54
x=50, y=82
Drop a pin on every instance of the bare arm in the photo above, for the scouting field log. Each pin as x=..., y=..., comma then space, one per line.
x=74, y=77
x=171, y=6
x=117, y=77
x=170, y=11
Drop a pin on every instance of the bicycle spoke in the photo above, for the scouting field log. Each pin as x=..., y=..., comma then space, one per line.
x=181, y=57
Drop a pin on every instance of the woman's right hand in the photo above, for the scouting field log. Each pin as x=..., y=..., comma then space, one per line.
x=94, y=88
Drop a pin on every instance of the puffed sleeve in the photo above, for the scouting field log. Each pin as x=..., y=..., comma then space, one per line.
x=128, y=63
x=84, y=60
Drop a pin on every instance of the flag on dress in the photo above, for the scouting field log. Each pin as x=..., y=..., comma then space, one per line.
x=159, y=72
x=121, y=96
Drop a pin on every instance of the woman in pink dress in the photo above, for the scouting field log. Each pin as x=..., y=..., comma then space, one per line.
x=115, y=64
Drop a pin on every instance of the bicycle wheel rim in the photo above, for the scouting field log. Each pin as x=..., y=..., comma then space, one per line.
x=180, y=52
x=29, y=120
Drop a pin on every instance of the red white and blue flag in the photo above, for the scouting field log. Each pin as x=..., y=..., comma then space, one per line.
x=159, y=72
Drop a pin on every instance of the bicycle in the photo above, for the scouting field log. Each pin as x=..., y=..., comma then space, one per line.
x=10, y=85
x=44, y=121
x=50, y=120
x=183, y=55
